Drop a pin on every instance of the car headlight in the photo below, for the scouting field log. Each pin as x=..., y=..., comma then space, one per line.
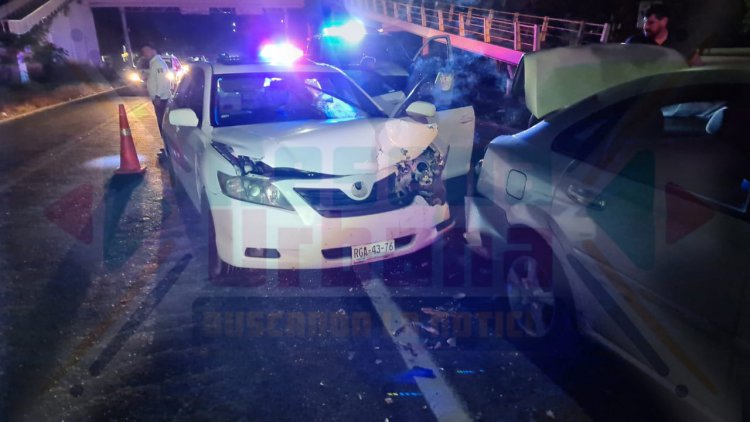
x=170, y=75
x=134, y=77
x=253, y=188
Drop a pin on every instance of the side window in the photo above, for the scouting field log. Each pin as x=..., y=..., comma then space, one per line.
x=189, y=93
x=694, y=135
x=580, y=140
x=180, y=97
x=689, y=118
x=195, y=96
x=706, y=153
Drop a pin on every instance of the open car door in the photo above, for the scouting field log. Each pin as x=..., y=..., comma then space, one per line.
x=444, y=39
x=435, y=54
x=454, y=119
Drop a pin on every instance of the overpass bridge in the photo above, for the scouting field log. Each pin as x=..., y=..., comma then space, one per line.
x=500, y=35
x=496, y=34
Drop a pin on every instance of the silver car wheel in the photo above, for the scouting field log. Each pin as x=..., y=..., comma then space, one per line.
x=530, y=296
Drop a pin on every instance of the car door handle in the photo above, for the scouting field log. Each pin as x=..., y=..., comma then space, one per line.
x=465, y=119
x=586, y=197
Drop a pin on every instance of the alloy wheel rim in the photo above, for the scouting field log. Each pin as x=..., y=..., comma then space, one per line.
x=531, y=299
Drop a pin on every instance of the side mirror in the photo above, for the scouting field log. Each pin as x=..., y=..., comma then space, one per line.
x=420, y=110
x=183, y=117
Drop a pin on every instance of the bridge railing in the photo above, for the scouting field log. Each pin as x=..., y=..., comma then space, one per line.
x=518, y=31
x=35, y=12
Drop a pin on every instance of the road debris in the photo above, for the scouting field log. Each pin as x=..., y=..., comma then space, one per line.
x=437, y=313
x=400, y=330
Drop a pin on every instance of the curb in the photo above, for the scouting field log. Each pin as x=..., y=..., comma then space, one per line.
x=60, y=104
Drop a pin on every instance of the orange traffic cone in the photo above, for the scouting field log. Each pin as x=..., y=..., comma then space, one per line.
x=129, y=163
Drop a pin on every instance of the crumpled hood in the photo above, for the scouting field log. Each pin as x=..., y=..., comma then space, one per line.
x=348, y=147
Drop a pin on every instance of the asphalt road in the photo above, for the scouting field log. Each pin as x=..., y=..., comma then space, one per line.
x=106, y=311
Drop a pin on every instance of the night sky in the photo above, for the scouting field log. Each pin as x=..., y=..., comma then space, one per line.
x=718, y=21
x=188, y=35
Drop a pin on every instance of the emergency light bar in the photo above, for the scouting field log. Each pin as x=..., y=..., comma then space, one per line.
x=283, y=53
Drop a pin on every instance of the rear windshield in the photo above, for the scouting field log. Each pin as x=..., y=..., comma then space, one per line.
x=252, y=98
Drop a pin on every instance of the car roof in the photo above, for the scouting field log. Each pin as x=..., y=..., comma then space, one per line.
x=226, y=69
x=680, y=79
x=675, y=81
x=553, y=79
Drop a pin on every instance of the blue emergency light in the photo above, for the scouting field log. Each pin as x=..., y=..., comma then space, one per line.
x=352, y=31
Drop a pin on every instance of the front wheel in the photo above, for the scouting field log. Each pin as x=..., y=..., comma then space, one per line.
x=538, y=295
x=530, y=296
x=217, y=269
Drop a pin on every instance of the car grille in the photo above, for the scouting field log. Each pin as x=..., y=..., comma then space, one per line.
x=334, y=203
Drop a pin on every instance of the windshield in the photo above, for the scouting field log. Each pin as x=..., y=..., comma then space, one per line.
x=246, y=99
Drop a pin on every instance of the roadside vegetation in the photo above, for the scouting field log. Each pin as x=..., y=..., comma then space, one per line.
x=52, y=78
x=20, y=99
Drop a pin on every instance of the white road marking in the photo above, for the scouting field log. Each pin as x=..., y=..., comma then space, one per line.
x=443, y=401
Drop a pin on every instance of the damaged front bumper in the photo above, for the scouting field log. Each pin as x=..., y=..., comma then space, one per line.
x=322, y=218
x=252, y=236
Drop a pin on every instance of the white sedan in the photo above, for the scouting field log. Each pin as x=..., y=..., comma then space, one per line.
x=297, y=167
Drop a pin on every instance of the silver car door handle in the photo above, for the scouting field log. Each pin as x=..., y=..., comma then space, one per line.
x=586, y=197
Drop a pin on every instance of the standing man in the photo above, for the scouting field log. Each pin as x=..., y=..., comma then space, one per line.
x=159, y=87
x=656, y=31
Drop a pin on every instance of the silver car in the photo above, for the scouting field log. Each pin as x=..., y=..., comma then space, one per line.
x=627, y=214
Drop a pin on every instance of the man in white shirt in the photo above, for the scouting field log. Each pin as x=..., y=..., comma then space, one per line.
x=157, y=84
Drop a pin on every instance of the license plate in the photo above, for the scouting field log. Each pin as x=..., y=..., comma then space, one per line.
x=371, y=251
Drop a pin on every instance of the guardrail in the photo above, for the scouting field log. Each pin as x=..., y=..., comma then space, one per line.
x=520, y=32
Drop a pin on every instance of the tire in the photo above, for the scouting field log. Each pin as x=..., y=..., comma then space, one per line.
x=179, y=190
x=538, y=294
x=218, y=270
x=531, y=298
x=173, y=177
